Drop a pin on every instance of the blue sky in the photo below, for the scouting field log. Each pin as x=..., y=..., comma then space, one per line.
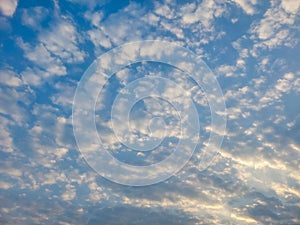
x=252, y=48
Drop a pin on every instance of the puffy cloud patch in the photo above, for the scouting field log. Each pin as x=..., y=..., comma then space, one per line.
x=8, y=7
x=247, y=5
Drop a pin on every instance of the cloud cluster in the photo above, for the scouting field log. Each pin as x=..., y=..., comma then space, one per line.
x=255, y=178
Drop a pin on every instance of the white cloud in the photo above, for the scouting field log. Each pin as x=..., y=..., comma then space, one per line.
x=226, y=70
x=65, y=95
x=204, y=14
x=56, y=47
x=151, y=18
x=8, y=169
x=10, y=107
x=283, y=86
x=173, y=29
x=118, y=27
x=5, y=185
x=246, y=5
x=91, y=4
x=8, y=7
x=291, y=6
x=6, y=140
x=237, y=70
x=43, y=59
x=10, y=78
x=275, y=28
x=99, y=38
x=34, y=76
x=62, y=41
x=32, y=17
x=95, y=18
x=70, y=193
x=165, y=11
x=266, y=29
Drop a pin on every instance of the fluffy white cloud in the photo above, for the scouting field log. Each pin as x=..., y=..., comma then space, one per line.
x=115, y=29
x=10, y=78
x=8, y=7
x=247, y=5
x=276, y=27
x=62, y=41
x=69, y=194
x=204, y=14
x=99, y=38
x=283, y=86
x=43, y=59
x=5, y=185
x=291, y=6
x=56, y=47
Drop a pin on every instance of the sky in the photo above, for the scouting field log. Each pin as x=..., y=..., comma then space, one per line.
x=196, y=102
